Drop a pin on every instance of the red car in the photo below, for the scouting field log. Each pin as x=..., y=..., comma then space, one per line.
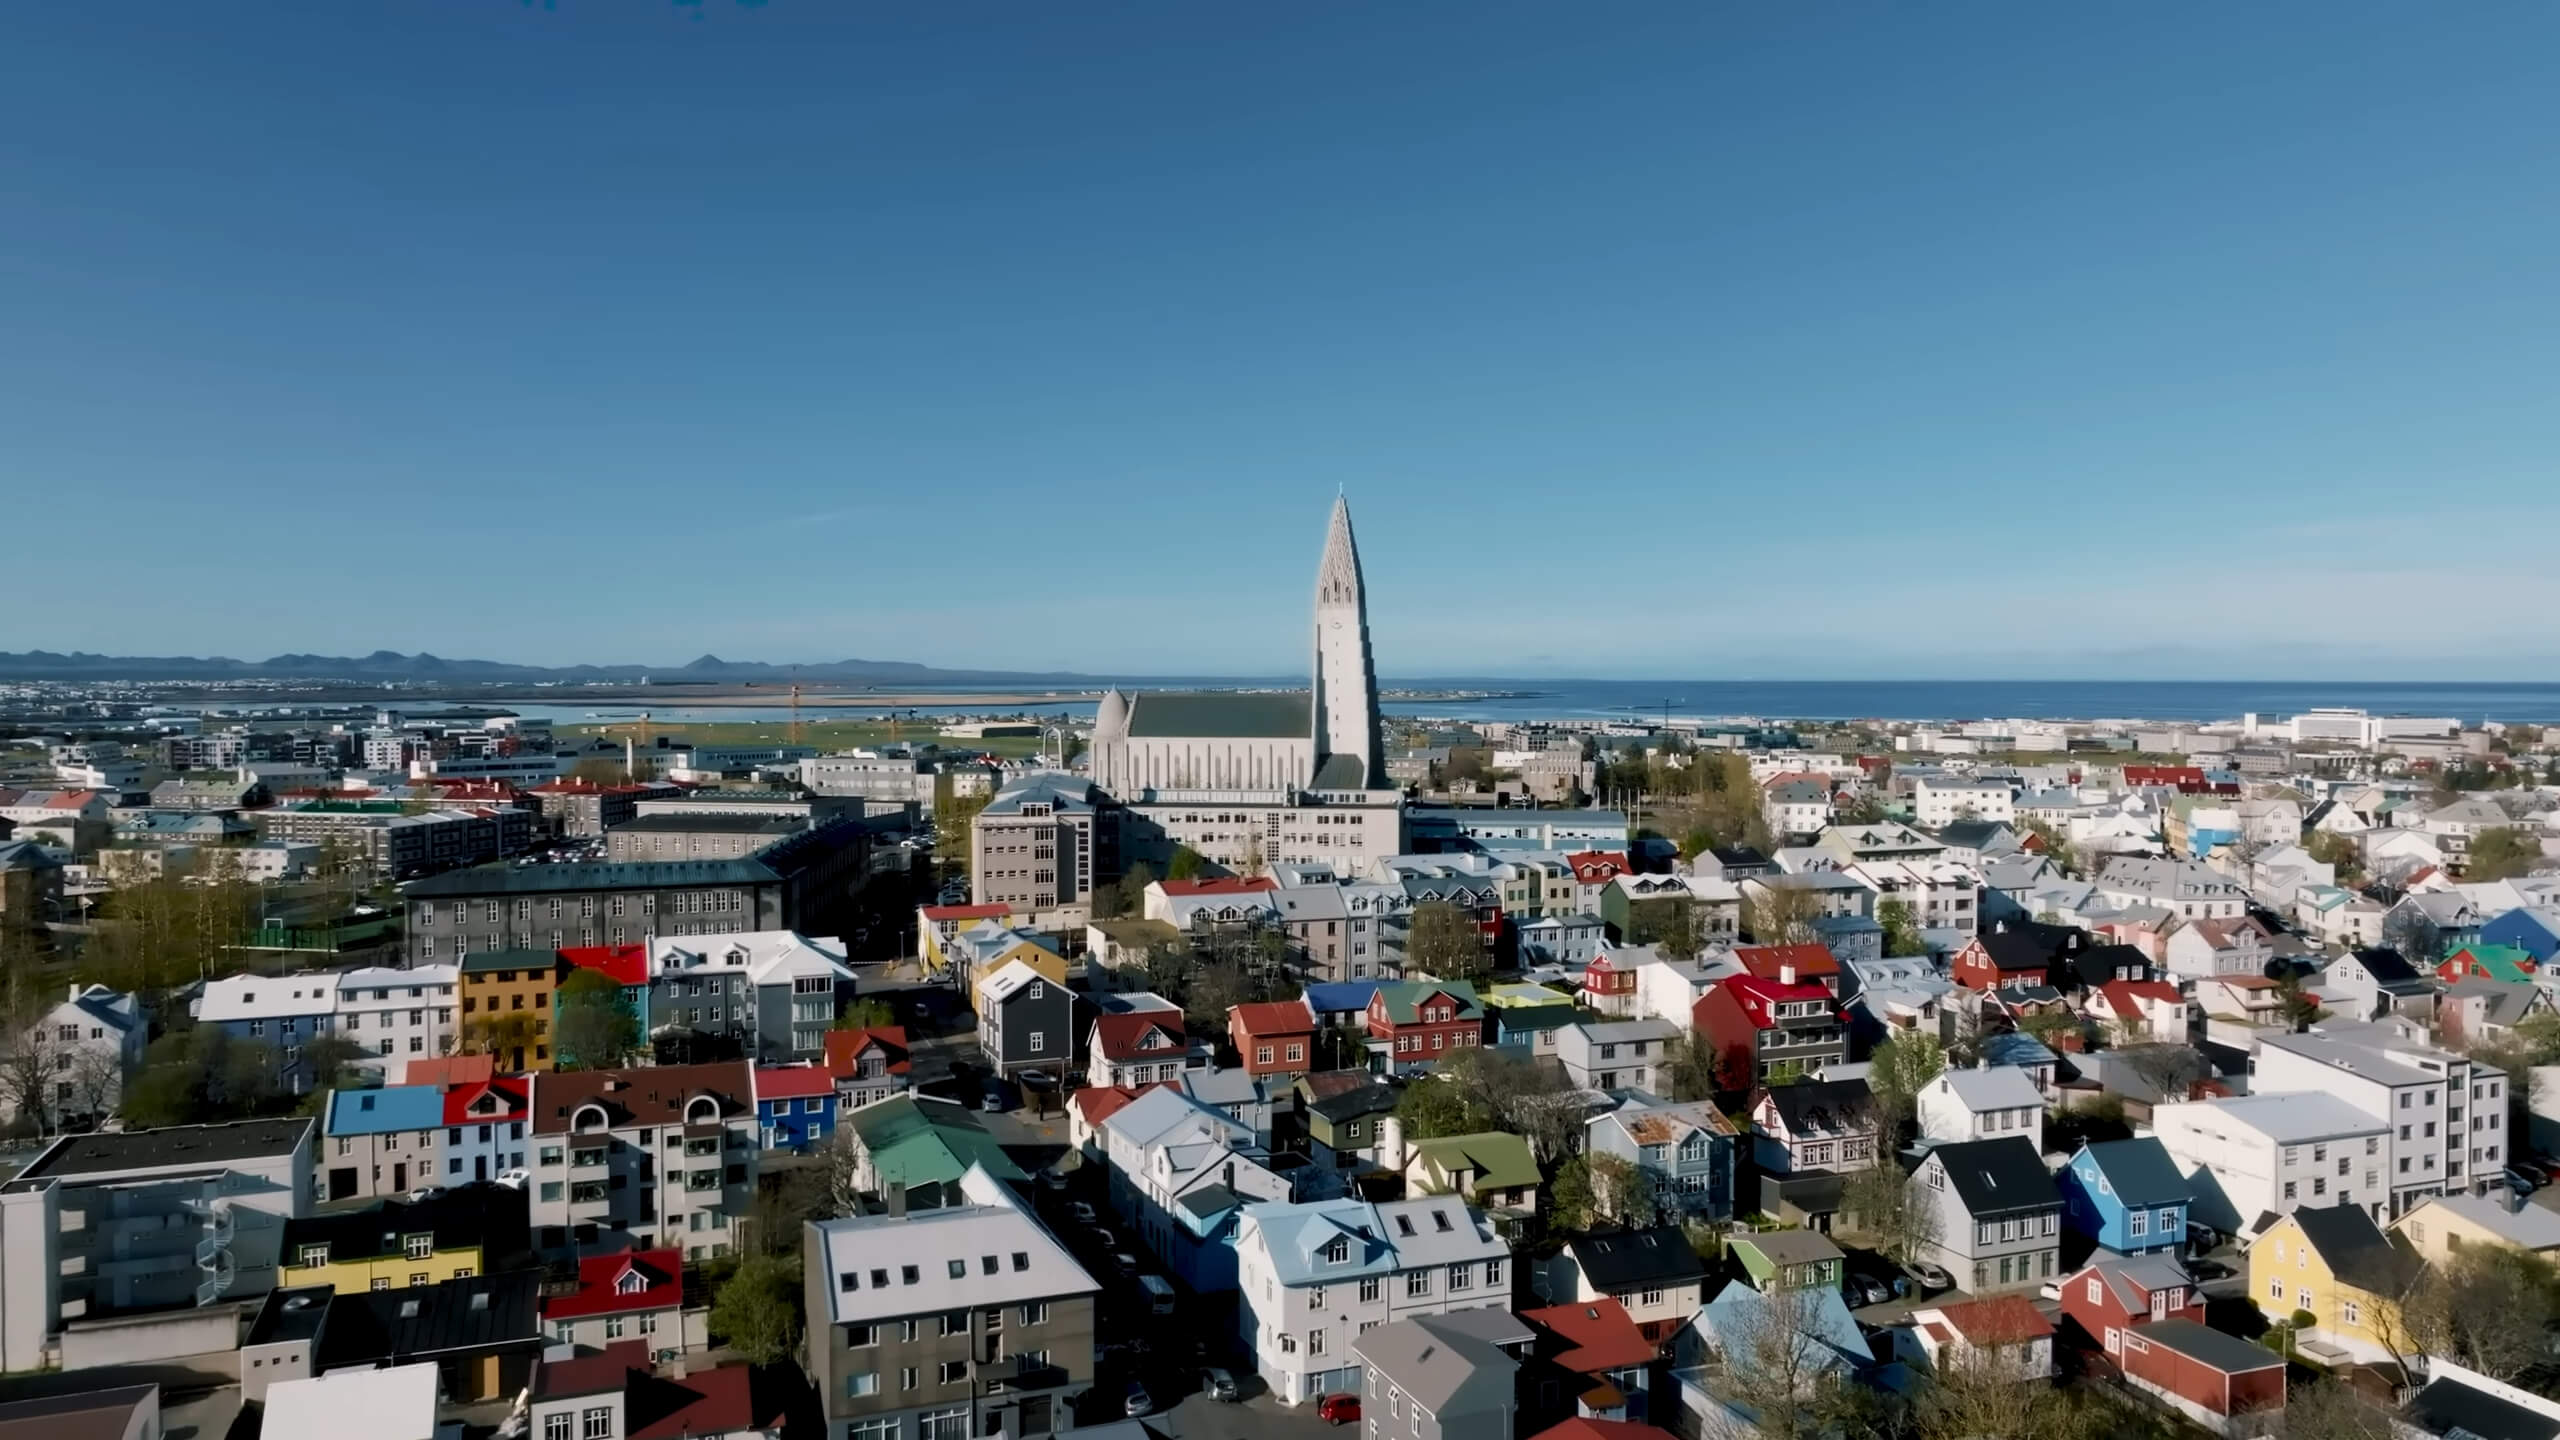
x=1339, y=1409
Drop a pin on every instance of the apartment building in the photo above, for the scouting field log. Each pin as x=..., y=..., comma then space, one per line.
x=1044, y=841
x=2270, y=1154
x=2447, y=1116
x=945, y=1324
x=635, y=1158
x=1314, y=1276
x=773, y=991
x=379, y=1143
x=398, y=843
x=696, y=837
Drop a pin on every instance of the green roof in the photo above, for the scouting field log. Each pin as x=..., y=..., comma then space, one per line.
x=2510, y=963
x=928, y=1142
x=1500, y=1161
x=480, y=962
x=1404, y=998
x=1222, y=714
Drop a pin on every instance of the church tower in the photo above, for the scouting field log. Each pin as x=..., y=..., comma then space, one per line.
x=1350, y=755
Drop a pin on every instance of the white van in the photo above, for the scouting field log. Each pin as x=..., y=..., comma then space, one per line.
x=1159, y=1294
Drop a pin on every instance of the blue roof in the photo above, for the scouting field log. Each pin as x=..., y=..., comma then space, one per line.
x=1296, y=1235
x=2011, y=1048
x=1335, y=996
x=394, y=1107
x=1741, y=1314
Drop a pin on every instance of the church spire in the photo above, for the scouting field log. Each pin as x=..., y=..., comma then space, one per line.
x=1350, y=750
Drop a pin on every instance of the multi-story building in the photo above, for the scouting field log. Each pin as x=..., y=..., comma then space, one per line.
x=1616, y=1054
x=381, y=1142
x=627, y=1295
x=506, y=1006
x=1026, y=1021
x=1982, y=1104
x=2187, y=889
x=1940, y=801
x=584, y=809
x=943, y=1324
x=84, y=1048
x=398, y=843
x=401, y=1244
x=1313, y=1276
x=1763, y=1028
x=774, y=991
x=1999, y=1217
x=283, y=1012
x=1044, y=841
x=484, y=1125
x=634, y=1158
x=2271, y=1153
x=102, y=1226
x=1685, y=1152
x=1429, y=1379
x=1414, y=1023
x=696, y=837
x=1274, y=1038
x=803, y=883
x=2447, y=1115
x=399, y=1015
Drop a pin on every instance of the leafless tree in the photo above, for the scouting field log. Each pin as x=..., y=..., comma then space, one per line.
x=96, y=1079
x=1778, y=1377
x=1886, y=1208
x=2331, y=1410
x=1976, y=1393
x=31, y=1055
x=2489, y=1307
x=838, y=1158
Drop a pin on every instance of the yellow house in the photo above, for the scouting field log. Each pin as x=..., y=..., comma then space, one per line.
x=397, y=1244
x=2442, y=1227
x=2337, y=1264
x=991, y=947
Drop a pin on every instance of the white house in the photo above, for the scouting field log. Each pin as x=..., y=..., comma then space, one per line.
x=82, y=1051
x=2447, y=1116
x=1311, y=1276
x=1616, y=1054
x=2266, y=1154
x=1939, y=801
x=2001, y=1334
x=2184, y=888
x=2201, y=949
x=399, y=1015
x=1983, y=1104
x=1165, y=1146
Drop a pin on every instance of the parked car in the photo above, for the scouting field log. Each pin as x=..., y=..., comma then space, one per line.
x=1124, y=1262
x=2050, y=1290
x=1080, y=1212
x=1932, y=1278
x=1217, y=1384
x=2532, y=1170
x=1872, y=1289
x=424, y=1192
x=1159, y=1294
x=513, y=1179
x=1053, y=1181
x=1105, y=1241
x=1137, y=1401
x=1339, y=1409
x=2202, y=1270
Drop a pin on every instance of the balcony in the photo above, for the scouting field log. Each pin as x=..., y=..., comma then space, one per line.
x=701, y=1149
x=587, y=1159
x=701, y=1180
x=588, y=1192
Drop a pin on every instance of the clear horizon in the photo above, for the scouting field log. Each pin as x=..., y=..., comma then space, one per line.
x=1863, y=341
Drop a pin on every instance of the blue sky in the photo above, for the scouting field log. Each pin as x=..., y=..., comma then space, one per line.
x=1694, y=339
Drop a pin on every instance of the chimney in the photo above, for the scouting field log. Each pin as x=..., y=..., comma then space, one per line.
x=1787, y=973
x=895, y=1192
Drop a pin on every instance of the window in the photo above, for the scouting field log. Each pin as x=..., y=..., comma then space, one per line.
x=1417, y=1283
x=1492, y=1274
x=954, y=1371
x=595, y=1423
x=2139, y=1223
x=1369, y=1289
x=555, y=1426
x=418, y=1247
x=2354, y=1313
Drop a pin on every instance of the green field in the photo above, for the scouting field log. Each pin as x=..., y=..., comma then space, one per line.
x=825, y=734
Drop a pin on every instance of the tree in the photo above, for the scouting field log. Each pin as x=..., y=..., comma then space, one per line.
x=2050, y=1025
x=1621, y=1192
x=1217, y=987
x=2301, y=1008
x=2056, y=845
x=1777, y=1374
x=597, y=1028
x=955, y=822
x=202, y=1076
x=1187, y=864
x=2501, y=852
x=2171, y=1070
x=1781, y=914
x=510, y=1036
x=1445, y=942
x=1430, y=1109
x=1689, y=1066
x=2339, y=853
x=1571, y=1205
x=1504, y=1092
x=1886, y=1208
x=2490, y=1307
x=864, y=1015
x=1901, y=929
x=331, y=1059
x=756, y=1311
x=2331, y=1410
x=838, y=1160
x=1976, y=1393
x=1895, y=1073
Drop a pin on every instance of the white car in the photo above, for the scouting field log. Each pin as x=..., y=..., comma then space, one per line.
x=513, y=1179
x=424, y=1192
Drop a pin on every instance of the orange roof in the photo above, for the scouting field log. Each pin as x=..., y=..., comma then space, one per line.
x=1997, y=1320
x=451, y=1070
x=1271, y=1017
x=844, y=1047
x=1603, y=1335
x=1098, y=1103
x=2125, y=996
x=1765, y=961
x=1596, y=865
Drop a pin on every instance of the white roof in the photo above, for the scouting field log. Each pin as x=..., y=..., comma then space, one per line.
x=1013, y=976
x=399, y=982
x=767, y=956
x=267, y=997
x=2284, y=1117
x=986, y=1252
x=1997, y=1087
x=394, y=1404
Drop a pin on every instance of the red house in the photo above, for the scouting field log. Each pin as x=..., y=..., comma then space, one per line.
x=2505, y=963
x=2208, y=1375
x=1422, y=1020
x=2016, y=952
x=1275, y=1038
x=636, y=1293
x=2185, y=779
x=2110, y=1297
x=1790, y=964
x=1608, y=987
x=1763, y=1028
x=868, y=1064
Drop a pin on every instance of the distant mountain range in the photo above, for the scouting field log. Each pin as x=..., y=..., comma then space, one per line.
x=391, y=665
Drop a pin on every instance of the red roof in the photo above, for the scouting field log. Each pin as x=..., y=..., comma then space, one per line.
x=1756, y=995
x=1582, y=1427
x=1998, y=1320
x=1603, y=1335
x=458, y=1101
x=1116, y=1037
x=1222, y=885
x=659, y=1275
x=450, y=1070
x=966, y=912
x=1272, y=1017
x=1593, y=867
x=661, y=1407
x=1765, y=961
x=1098, y=1103
x=845, y=1047
x=624, y=964
x=793, y=1082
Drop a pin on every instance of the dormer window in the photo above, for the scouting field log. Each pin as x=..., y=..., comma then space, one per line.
x=1337, y=1251
x=632, y=1282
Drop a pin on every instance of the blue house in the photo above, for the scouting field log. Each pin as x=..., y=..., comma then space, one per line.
x=380, y=1142
x=795, y=1106
x=2127, y=1196
x=1528, y=1032
x=2534, y=929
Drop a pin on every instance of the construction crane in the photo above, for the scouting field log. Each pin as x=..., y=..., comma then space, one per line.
x=795, y=712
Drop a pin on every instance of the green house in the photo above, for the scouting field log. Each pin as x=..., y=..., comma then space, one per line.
x=1776, y=1260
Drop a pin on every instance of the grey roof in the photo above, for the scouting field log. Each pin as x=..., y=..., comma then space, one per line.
x=712, y=822
x=1491, y=1324
x=2293, y=1119
x=2362, y=1061
x=1222, y=714
x=1062, y=793
x=2452, y=1407
x=1435, y=1365
x=2227, y=1353
x=482, y=880
x=2508, y=1001
x=2356, y=1250
x=178, y=1145
x=1995, y=1087
x=81, y=1415
x=1994, y=1177
x=1624, y=1260
x=2140, y=1171
x=1791, y=1247
x=2527, y=1227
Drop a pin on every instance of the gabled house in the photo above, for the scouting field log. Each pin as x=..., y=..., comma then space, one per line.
x=1652, y=1272
x=2012, y=951
x=1805, y=1138
x=2336, y=1263
x=1773, y=1260
x=2200, y=949
x=2135, y=1012
x=2534, y=929
x=2003, y=1335
x=1493, y=1171
x=1616, y=1054
x=1982, y=1104
x=1763, y=1030
x=1026, y=1021
x=2214, y=1378
x=1139, y=1047
x=1609, y=981
x=2127, y=1196
x=1274, y=1038
x=1791, y=964
x=627, y=1294
x=1684, y=1151
x=2114, y=1293
x=1179, y=1173
x=987, y=948
x=2472, y=1011
x=2379, y=981
x=2252, y=1000
x=1588, y=1360
x=869, y=1064
x=1413, y=1023
x=1343, y=1123
x=2091, y=966
x=2508, y=964
x=1999, y=1217
x=1313, y=1275
x=2441, y=1227
x=795, y=1106
x=1435, y=1381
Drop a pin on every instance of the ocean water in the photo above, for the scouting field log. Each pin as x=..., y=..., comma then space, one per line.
x=1495, y=698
